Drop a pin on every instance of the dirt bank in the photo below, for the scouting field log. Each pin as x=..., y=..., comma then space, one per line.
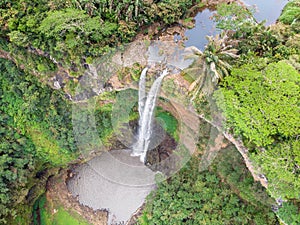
x=57, y=188
x=58, y=193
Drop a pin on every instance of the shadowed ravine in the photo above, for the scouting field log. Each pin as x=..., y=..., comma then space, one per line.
x=117, y=181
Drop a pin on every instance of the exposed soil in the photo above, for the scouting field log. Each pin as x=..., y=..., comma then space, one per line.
x=57, y=189
x=254, y=170
x=211, y=150
x=58, y=193
x=134, y=218
x=115, y=181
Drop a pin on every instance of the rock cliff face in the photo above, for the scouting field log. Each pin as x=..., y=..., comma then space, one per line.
x=189, y=121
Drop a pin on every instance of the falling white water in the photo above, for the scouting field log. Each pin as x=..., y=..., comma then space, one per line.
x=142, y=92
x=146, y=109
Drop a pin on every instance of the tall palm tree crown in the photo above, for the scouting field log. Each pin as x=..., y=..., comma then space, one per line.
x=213, y=61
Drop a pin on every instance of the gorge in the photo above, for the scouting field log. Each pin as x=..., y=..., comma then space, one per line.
x=95, y=130
x=146, y=107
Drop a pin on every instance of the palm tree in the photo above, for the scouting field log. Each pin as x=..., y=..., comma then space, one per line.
x=213, y=62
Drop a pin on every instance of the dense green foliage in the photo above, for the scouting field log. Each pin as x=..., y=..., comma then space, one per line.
x=289, y=213
x=193, y=197
x=248, y=36
x=35, y=129
x=39, y=112
x=230, y=167
x=291, y=13
x=280, y=163
x=260, y=99
x=261, y=104
x=71, y=32
x=103, y=121
x=42, y=214
x=16, y=164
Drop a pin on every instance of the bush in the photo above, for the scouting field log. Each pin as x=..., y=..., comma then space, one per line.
x=193, y=197
x=290, y=13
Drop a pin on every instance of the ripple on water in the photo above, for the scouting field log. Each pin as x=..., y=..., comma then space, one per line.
x=114, y=181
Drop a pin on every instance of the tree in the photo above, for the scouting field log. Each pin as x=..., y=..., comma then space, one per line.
x=214, y=63
x=281, y=164
x=243, y=28
x=39, y=112
x=291, y=13
x=193, y=197
x=58, y=23
x=16, y=164
x=260, y=102
x=233, y=16
x=289, y=213
x=261, y=105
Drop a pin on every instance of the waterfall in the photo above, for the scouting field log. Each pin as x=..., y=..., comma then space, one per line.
x=146, y=110
x=142, y=92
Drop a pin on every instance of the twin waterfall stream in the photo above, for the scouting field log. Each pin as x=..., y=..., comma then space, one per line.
x=146, y=106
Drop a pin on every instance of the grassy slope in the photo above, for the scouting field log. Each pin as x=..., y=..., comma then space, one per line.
x=48, y=213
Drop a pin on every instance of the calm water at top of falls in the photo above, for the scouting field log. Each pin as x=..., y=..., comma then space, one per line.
x=268, y=10
x=204, y=26
x=119, y=182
